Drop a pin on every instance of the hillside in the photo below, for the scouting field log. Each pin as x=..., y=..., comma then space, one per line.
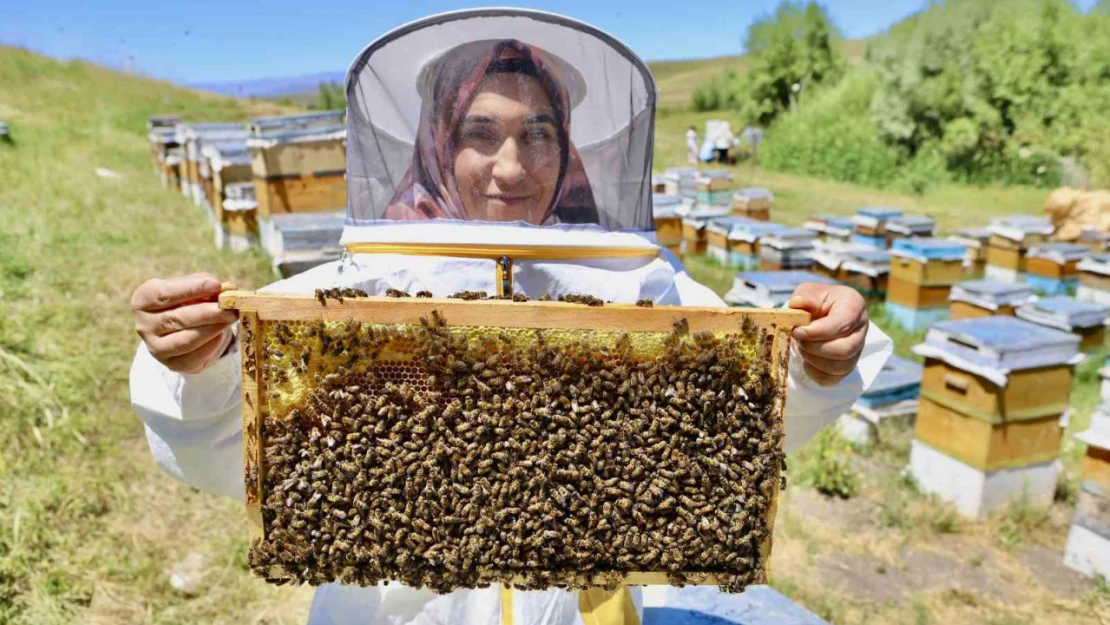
x=676, y=80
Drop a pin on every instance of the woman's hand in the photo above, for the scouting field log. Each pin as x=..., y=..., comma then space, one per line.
x=831, y=344
x=181, y=323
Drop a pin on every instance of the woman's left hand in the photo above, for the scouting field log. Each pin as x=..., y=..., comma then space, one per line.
x=831, y=344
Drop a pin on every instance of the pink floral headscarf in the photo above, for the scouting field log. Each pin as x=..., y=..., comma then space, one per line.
x=429, y=189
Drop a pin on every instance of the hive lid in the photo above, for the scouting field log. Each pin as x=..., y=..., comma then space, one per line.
x=1059, y=253
x=754, y=193
x=1064, y=313
x=1098, y=433
x=991, y=294
x=268, y=131
x=226, y=154
x=1097, y=263
x=790, y=238
x=700, y=215
x=879, y=212
x=975, y=234
x=1018, y=227
x=929, y=248
x=752, y=230
x=678, y=174
x=897, y=373
x=725, y=225
x=993, y=346
x=663, y=205
x=714, y=174
x=769, y=289
x=911, y=224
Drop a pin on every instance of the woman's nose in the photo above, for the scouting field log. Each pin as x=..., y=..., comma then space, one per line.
x=507, y=168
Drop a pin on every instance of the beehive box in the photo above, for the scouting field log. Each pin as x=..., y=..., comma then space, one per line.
x=984, y=298
x=871, y=221
x=1096, y=241
x=1084, y=319
x=769, y=289
x=1094, y=474
x=892, y=394
x=693, y=227
x=867, y=271
x=668, y=223
x=787, y=249
x=297, y=242
x=909, y=226
x=718, y=245
x=976, y=240
x=1057, y=261
x=299, y=163
x=1088, y=546
x=754, y=202
x=916, y=296
x=411, y=440
x=927, y=261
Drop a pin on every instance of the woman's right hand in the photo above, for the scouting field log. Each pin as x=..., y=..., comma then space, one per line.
x=181, y=323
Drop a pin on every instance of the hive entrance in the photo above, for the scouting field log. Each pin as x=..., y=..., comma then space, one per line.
x=449, y=456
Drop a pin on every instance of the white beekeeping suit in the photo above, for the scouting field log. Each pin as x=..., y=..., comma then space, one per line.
x=462, y=145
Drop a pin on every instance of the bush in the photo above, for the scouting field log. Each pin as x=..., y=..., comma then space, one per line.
x=830, y=470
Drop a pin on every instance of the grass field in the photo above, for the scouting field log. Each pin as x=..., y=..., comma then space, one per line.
x=89, y=529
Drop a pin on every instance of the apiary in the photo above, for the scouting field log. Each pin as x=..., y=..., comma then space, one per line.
x=299, y=163
x=922, y=272
x=1096, y=241
x=298, y=242
x=714, y=188
x=988, y=425
x=786, y=250
x=893, y=394
x=984, y=298
x=769, y=289
x=976, y=240
x=238, y=218
x=694, y=224
x=909, y=226
x=754, y=202
x=1088, y=546
x=668, y=223
x=681, y=181
x=1011, y=238
x=197, y=171
x=717, y=233
x=1094, y=279
x=869, y=225
x=1053, y=268
x=411, y=440
x=1084, y=319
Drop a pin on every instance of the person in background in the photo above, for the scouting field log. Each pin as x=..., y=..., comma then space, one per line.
x=722, y=143
x=692, y=145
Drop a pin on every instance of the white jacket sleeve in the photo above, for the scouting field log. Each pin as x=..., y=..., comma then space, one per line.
x=194, y=422
x=809, y=406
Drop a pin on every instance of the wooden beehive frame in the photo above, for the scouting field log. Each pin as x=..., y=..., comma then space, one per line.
x=257, y=308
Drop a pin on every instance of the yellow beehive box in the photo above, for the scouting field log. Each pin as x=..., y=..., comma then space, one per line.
x=299, y=163
x=443, y=443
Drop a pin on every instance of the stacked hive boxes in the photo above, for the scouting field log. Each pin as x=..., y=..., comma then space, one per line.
x=786, y=249
x=1096, y=241
x=1094, y=279
x=694, y=223
x=1011, y=238
x=299, y=164
x=754, y=202
x=197, y=173
x=1088, y=547
x=163, y=138
x=768, y=289
x=745, y=242
x=976, y=240
x=681, y=181
x=986, y=298
x=907, y=227
x=229, y=163
x=857, y=266
x=668, y=223
x=1087, y=320
x=870, y=225
x=238, y=225
x=893, y=394
x=988, y=425
x=922, y=272
x=717, y=231
x=1053, y=268
x=714, y=188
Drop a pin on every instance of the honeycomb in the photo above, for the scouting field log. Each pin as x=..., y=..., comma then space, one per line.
x=458, y=456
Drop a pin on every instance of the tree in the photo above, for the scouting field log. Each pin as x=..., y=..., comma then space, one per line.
x=332, y=97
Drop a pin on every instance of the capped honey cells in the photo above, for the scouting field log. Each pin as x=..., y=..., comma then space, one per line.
x=454, y=457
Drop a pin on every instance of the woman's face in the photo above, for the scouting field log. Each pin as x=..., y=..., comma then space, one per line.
x=507, y=151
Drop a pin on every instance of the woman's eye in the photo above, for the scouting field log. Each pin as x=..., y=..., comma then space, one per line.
x=478, y=134
x=539, y=135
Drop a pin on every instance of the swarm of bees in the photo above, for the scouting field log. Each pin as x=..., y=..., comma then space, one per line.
x=439, y=458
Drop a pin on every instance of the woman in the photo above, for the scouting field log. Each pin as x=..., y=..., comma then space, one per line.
x=494, y=160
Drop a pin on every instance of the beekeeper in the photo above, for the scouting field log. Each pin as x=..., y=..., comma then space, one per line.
x=461, y=151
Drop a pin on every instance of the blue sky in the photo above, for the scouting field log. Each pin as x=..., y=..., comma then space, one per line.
x=205, y=41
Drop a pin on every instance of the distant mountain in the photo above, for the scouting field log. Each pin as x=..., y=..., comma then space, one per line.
x=272, y=87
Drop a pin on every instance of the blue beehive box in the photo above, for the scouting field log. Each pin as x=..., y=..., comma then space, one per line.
x=881, y=213
x=898, y=380
x=1000, y=343
x=926, y=249
x=1053, y=269
x=1084, y=319
x=769, y=289
x=708, y=605
x=991, y=295
x=911, y=226
x=744, y=242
